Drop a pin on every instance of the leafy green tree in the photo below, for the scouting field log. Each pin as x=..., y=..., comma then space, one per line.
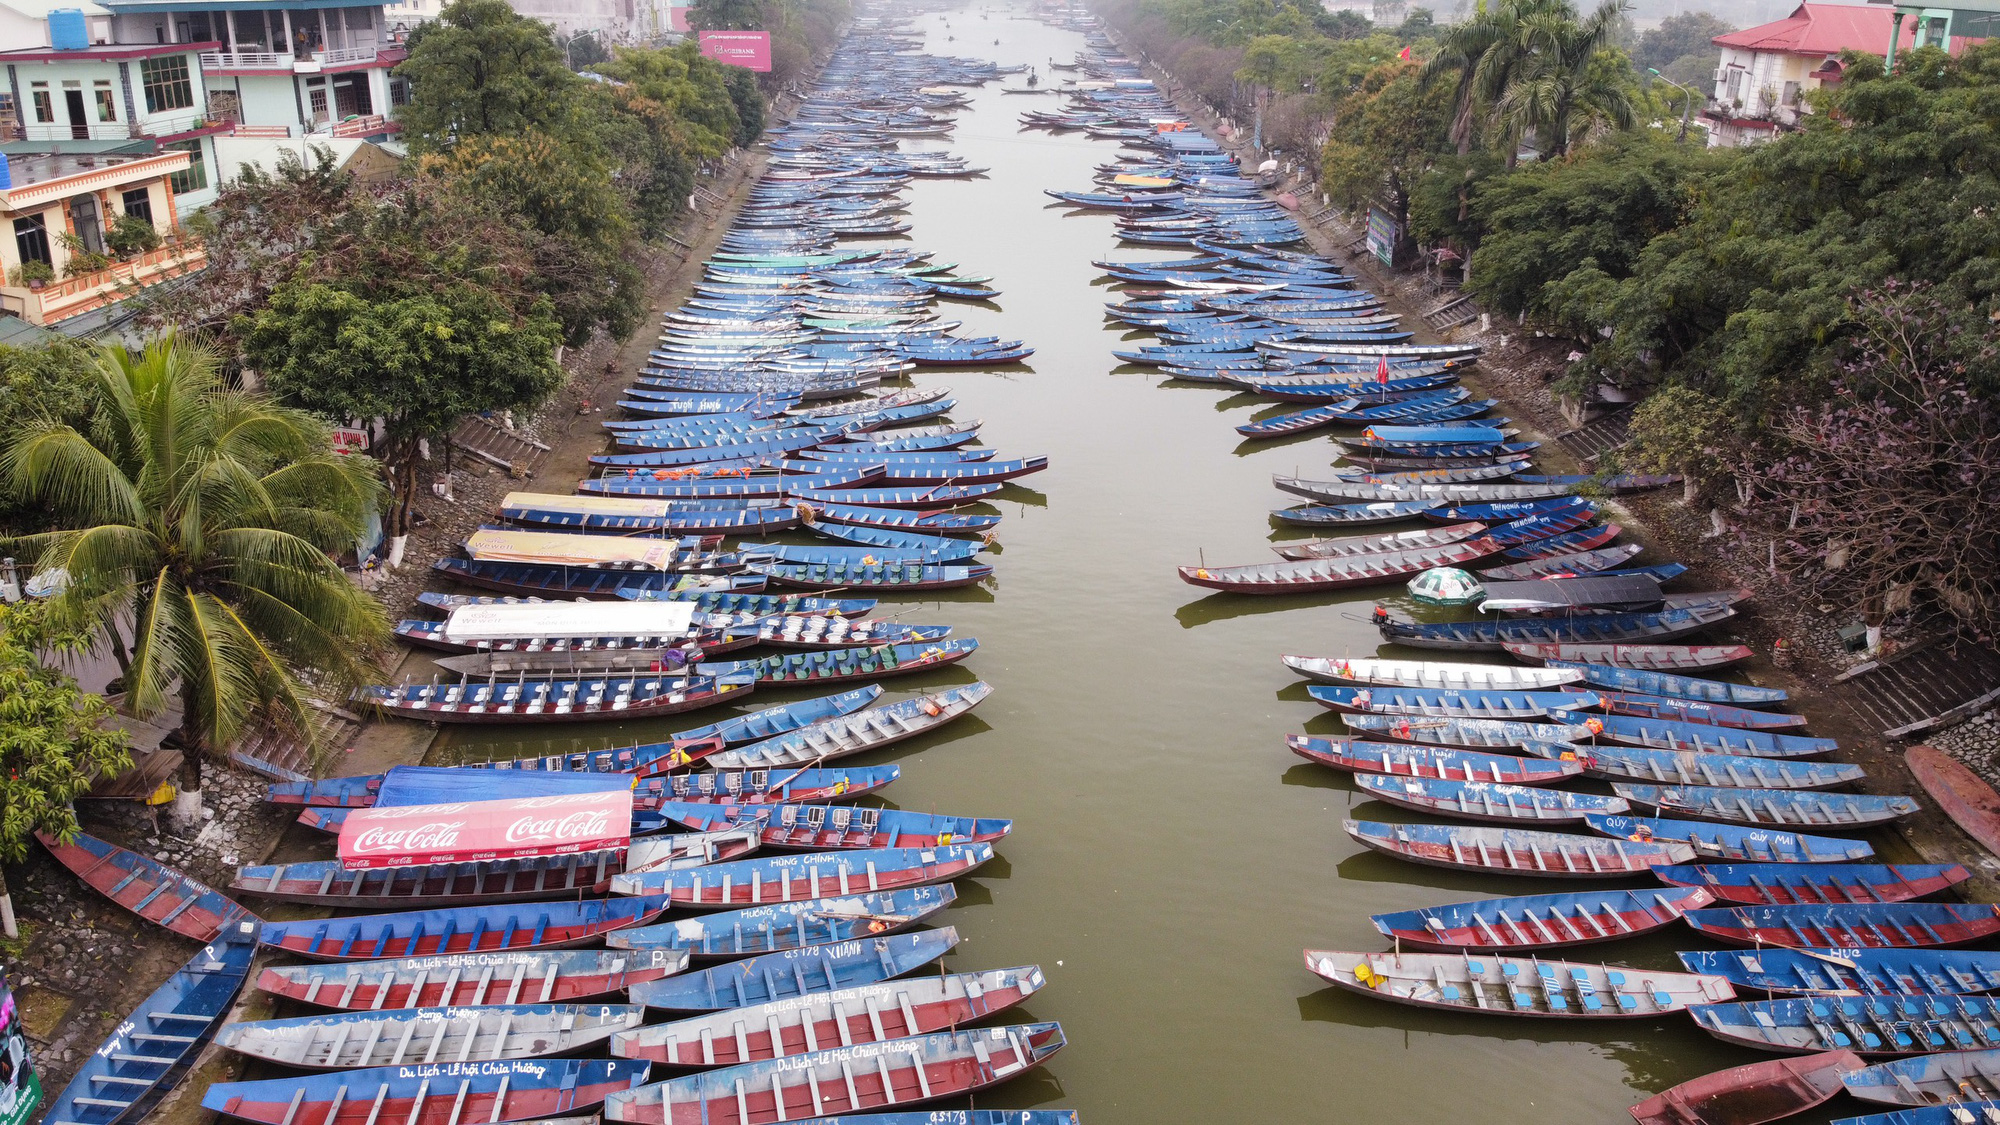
x=1570, y=82
x=419, y=361
x=481, y=70
x=1678, y=36
x=56, y=741
x=208, y=518
x=1385, y=135
x=726, y=15
x=749, y=103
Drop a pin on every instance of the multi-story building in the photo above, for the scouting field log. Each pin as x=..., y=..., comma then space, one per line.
x=1766, y=71
x=614, y=22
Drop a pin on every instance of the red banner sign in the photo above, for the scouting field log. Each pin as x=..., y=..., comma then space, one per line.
x=414, y=835
x=748, y=49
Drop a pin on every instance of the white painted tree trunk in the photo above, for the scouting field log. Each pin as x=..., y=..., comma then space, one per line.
x=185, y=812
x=396, y=545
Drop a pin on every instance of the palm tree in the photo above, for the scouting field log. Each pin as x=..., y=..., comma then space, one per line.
x=1498, y=48
x=1559, y=80
x=206, y=518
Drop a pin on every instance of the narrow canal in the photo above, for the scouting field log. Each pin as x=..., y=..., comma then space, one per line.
x=1170, y=857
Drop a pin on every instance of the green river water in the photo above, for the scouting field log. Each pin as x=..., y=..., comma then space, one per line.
x=1170, y=858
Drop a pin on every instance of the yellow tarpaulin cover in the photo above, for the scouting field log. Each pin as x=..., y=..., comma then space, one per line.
x=555, y=548
x=591, y=505
x=1142, y=181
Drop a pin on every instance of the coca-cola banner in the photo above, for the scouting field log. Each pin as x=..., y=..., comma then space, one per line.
x=521, y=827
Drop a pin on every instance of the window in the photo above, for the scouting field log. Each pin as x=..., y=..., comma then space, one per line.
x=399, y=92
x=1790, y=95
x=45, y=108
x=107, y=105
x=166, y=82
x=31, y=240
x=316, y=105
x=195, y=177
x=139, y=202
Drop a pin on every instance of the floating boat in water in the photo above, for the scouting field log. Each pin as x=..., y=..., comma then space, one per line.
x=1751, y=1094
x=1670, y=767
x=1663, y=734
x=1671, y=686
x=1862, y=925
x=1316, y=575
x=1485, y=801
x=845, y=1080
x=1967, y=1081
x=1730, y=842
x=836, y=632
x=1528, y=922
x=406, y=1036
x=792, y=973
x=1354, y=515
x=1466, y=734
x=938, y=520
x=882, y=576
x=1368, y=671
x=852, y=734
x=1516, y=851
x=472, y=929
x=1643, y=657
x=1447, y=704
x=1880, y=972
x=1866, y=1025
x=1603, y=561
x=1516, y=986
x=836, y=827
x=438, y=1094
x=462, y=979
x=558, y=700
x=152, y=1048
x=761, y=787
x=1403, y=760
x=869, y=1013
x=147, y=887
x=834, y=665
x=1636, y=705
x=791, y=878
x=1771, y=807
x=1784, y=884
x=1497, y=635
x=792, y=925
x=1354, y=545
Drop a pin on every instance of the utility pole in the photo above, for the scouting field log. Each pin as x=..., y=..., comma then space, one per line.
x=1687, y=102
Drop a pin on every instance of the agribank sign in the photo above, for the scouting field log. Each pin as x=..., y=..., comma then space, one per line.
x=748, y=49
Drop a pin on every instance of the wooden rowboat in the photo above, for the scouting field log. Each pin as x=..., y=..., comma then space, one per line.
x=1485, y=801
x=1671, y=686
x=1961, y=794
x=1526, y=922
x=405, y=1036
x=868, y=1013
x=1786, y=884
x=845, y=735
x=147, y=887
x=151, y=1049
x=1873, y=972
x=1580, y=563
x=440, y=1094
x=1644, y=657
x=1866, y=1025
x=1751, y=1094
x=835, y=827
x=456, y=979
x=1516, y=986
x=1868, y=925
x=1467, y=734
x=792, y=878
x=557, y=700
x=1781, y=808
x=1335, y=573
x=1635, y=705
x=791, y=973
x=1368, y=671
x=1401, y=760
x=1545, y=855
x=791, y=925
x=1353, y=545
x=1732, y=842
x=844, y=1080
x=828, y=666
x=1496, y=635
x=1961, y=1079
x=1421, y=703
x=471, y=929
x=1670, y=767
x=1665, y=734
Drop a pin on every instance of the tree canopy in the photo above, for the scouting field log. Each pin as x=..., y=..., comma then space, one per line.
x=56, y=741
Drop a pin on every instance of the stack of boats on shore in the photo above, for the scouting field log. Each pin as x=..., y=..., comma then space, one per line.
x=721, y=925
x=1663, y=801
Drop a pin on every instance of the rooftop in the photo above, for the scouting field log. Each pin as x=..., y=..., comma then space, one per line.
x=28, y=170
x=1824, y=29
x=40, y=9
x=104, y=51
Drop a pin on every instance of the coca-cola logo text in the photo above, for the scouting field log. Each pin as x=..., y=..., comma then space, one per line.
x=430, y=836
x=589, y=824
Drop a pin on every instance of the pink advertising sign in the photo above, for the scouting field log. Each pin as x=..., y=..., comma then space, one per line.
x=414, y=835
x=677, y=18
x=748, y=49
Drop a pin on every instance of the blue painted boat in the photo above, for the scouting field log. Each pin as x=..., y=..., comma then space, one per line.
x=1551, y=921
x=437, y=1094
x=898, y=441
x=1515, y=851
x=1667, y=734
x=1782, y=884
x=1485, y=801
x=1598, y=628
x=1781, y=808
x=960, y=472
x=831, y=665
x=743, y=482
x=1506, y=511
x=1467, y=734
x=1873, y=972
x=933, y=521
x=462, y=979
x=846, y=735
x=747, y=447
x=1353, y=515
x=849, y=1079
x=470, y=929
x=1680, y=767
x=931, y=497
x=1852, y=925
x=1436, y=435
x=834, y=632
x=419, y=1036
x=760, y=605
x=757, y=405
x=940, y=552
x=1453, y=704
x=823, y=827
x=761, y=787
x=145, y=886
x=151, y=1049
x=1672, y=686
x=899, y=576
x=952, y=1117
x=1952, y=1087
x=1408, y=760
x=792, y=925
x=572, y=582
x=792, y=878
x=1730, y=842
x=1657, y=707
x=1866, y=1025
x=797, y=972
x=929, y=548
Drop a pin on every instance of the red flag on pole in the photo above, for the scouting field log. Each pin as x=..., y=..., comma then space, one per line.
x=1382, y=370
x=1404, y=54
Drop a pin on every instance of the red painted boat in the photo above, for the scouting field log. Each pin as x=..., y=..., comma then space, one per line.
x=1750, y=1094
x=1859, y=925
x=1314, y=575
x=1693, y=711
x=1352, y=545
x=461, y=979
x=797, y=878
x=1969, y=802
x=1410, y=760
x=469, y=929
x=443, y=1093
x=147, y=887
x=1800, y=884
x=1529, y=922
x=1646, y=658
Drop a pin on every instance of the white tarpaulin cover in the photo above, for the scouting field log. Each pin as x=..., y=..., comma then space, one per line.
x=570, y=619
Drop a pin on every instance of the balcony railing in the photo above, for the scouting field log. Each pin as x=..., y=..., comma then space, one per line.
x=246, y=60
x=346, y=55
x=74, y=296
x=261, y=131
x=364, y=126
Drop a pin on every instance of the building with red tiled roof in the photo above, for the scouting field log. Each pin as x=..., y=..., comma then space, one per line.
x=1765, y=71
